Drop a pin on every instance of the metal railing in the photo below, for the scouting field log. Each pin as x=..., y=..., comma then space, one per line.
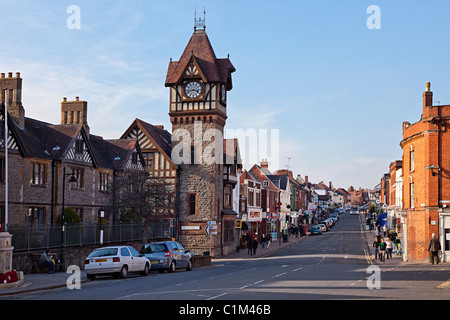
x=30, y=237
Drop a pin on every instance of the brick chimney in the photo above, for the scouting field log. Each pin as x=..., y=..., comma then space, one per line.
x=306, y=180
x=427, y=96
x=14, y=103
x=265, y=164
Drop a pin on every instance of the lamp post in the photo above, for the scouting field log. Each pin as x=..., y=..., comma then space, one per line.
x=72, y=179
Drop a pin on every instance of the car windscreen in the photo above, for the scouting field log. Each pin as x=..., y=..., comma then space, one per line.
x=154, y=248
x=103, y=252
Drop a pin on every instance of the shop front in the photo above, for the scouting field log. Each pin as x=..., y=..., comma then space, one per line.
x=254, y=219
x=273, y=224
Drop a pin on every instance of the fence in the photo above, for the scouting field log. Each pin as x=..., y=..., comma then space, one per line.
x=26, y=238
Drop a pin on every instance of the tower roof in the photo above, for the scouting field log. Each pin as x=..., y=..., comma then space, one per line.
x=200, y=51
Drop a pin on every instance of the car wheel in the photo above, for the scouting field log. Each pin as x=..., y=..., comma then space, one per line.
x=146, y=270
x=173, y=266
x=91, y=277
x=124, y=272
x=189, y=267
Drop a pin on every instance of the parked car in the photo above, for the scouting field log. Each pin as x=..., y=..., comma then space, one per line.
x=316, y=230
x=167, y=255
x=116, y=261
x=322, y=227
x=354, y=212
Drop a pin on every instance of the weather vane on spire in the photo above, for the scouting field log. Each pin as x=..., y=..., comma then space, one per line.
x=199, y=22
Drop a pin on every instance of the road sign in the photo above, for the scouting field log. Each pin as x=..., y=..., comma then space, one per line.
x=211, y=222
x=211, y=230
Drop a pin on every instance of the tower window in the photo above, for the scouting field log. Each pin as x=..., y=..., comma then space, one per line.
x=192, y=205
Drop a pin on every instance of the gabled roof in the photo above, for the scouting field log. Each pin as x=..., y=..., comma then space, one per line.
x=160, y=138
x=200, y=51
x=43, y=140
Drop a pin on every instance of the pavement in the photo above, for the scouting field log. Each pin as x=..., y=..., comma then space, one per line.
x=46, y=281
x=36, y=282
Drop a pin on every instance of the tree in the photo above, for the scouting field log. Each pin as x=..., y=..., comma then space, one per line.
x=70, y=216
x=140, y=198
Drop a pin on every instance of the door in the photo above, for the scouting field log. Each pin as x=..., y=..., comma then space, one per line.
x=184, y=257
x=126, y=258
x=138, y=261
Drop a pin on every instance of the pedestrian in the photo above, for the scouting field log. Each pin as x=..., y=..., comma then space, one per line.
x=384, y=231
x=268, y=240
x=434, y=247
x=254, y=245
x=376, y=245
x=46, y=260
x=263, y=241
x=249, y=246
x=382, y=250
x=389, y=247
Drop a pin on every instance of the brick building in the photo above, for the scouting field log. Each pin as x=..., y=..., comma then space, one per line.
x=426, y=178
x=39, y=154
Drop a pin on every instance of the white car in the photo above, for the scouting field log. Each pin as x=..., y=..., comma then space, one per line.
x=322, y=227
x=118, y=261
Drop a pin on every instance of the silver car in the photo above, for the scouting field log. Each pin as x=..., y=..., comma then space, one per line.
x=116, y=261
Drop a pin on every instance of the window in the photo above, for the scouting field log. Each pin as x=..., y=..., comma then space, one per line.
x=227, y=201
x=103, y=181
x=192, y=198
x=447, y=239
x=148, y=158
x=411, y=160
x=411, y=191
x=258, y=198
x=35, y=218
x=79, y=174
x=265, y=183
x=79, y=146
x=134, y=157
x=124, y=252
x=251, y=198
x=37, y=174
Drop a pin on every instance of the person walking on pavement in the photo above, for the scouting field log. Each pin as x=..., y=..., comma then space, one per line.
x=269, y=240
x=376, y=245
x=434, y=247
x=263, y=241
x=249, y=246
x=254, y=245
x=382, y=250
x=384, y=231
x=389, y=247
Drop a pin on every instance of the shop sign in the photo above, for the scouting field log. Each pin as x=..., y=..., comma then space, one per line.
x=254, y=216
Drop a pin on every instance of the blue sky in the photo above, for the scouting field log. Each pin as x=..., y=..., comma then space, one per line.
x=336, y=91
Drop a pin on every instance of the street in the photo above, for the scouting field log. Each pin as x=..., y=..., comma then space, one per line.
x=333, y=265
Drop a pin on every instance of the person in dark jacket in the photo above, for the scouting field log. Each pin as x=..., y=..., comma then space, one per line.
x=376, y=245
x=254, y=245
x=434, y=247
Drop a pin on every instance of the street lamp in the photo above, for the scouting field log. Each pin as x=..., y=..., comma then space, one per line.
x=72, y=179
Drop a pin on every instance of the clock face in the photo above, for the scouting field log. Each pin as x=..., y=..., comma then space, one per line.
x=193, y=89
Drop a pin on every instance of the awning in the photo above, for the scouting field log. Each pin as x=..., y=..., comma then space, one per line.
x=246, y=226
x=229, y=212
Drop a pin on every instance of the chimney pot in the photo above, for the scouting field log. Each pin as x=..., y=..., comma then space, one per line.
x=77, y=98
x=9, y=74
x=427, y=86
x=64, y=99
x=2, y=75
x=17, y=74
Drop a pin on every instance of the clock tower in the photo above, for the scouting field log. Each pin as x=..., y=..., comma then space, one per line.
x=198, y=84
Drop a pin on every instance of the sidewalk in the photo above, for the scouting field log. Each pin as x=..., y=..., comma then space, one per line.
x=276, y=245
x=41, y=281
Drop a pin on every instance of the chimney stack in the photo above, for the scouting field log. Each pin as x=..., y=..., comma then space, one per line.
x=306, y=180
x=264, y=164
x=14, y=103
x=74, y=112
x=427, y=96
